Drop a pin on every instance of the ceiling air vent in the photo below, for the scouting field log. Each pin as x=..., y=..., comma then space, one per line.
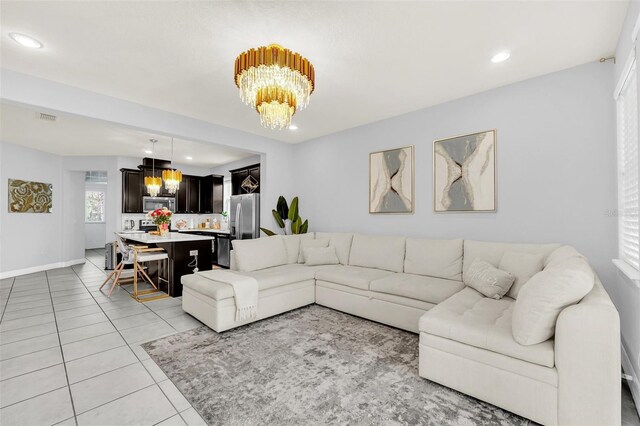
x=48, y=117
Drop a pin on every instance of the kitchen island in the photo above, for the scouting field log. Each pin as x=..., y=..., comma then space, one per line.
x=179, y=247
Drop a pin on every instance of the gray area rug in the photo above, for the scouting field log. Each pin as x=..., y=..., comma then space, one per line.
x=314, y=366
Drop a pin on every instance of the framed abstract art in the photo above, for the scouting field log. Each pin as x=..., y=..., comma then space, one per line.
x=464, y=173
x=391, y=181
x=30, y=197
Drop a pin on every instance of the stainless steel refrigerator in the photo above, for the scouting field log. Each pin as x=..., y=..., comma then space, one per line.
x=245, y=216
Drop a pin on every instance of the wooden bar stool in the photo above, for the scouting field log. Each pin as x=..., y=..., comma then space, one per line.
x=137, y=256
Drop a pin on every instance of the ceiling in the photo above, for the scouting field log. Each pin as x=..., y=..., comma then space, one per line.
x=79, y=136
x=373, y=60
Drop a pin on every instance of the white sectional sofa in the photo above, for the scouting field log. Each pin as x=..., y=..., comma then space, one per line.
x=466, y=339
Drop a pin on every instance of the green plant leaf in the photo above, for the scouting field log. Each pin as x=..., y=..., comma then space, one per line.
x=282, y=207
x=293, y=210
x=269, y=232
x=278, y=218
x=296, y=226
x=305, y=227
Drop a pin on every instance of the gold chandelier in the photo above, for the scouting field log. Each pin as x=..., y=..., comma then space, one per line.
x=172, y=177
x=276, y=82
x=152, y=182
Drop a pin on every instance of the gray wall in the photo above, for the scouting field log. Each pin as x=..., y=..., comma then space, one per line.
x=556, y=163
x=625, y=293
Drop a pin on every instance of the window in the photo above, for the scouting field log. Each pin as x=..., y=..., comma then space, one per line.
x=628, y=190
x=94, y=206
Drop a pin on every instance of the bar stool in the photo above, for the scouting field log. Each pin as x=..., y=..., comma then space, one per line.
x=137, y=255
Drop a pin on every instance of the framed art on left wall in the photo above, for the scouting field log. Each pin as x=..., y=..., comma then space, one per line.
x=391, y=181
x=30, y=197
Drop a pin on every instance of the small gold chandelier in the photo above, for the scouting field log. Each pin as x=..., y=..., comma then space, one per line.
x=172, y=177
x=276, y=82
x=152, y=182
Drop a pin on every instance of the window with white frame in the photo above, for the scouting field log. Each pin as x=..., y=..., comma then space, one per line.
x=94, y=201
x=95, y=196
x=628, y=189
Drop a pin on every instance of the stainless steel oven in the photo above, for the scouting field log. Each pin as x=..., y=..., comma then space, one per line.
x=152, y=203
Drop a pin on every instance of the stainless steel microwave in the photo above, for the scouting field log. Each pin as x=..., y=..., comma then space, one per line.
x=153, y=203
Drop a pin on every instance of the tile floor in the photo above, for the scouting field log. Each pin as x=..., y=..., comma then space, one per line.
x=70, y=355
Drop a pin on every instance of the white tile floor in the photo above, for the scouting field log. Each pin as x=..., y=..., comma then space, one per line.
x=70, y=355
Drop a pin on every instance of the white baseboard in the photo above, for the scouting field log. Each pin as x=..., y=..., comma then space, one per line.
x=634, y=385
x=40, y=268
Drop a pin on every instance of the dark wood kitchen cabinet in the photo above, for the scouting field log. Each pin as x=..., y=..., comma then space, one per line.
x=188, y=195
x=132, y=190
x=239, y=175
x=211, y=194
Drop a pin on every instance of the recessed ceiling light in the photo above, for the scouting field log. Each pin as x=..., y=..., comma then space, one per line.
x=148, y=151
x=501, y=57
x=189, y=157
x=293, y=127
x=26, y=41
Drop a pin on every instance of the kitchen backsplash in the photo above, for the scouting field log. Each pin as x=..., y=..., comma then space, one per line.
x=195, y=218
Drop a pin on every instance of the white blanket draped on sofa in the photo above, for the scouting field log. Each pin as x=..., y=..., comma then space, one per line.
x=245, y=290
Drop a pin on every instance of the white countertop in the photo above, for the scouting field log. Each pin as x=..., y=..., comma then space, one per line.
x=210, y=230
x=172, y=237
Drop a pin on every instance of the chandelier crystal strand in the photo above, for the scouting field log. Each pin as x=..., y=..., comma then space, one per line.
x=172, y=177
x=152, y=182
x=276, y=82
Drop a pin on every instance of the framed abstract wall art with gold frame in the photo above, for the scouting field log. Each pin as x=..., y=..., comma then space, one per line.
x=391, y=181
x=30, y=197
x=464, y=173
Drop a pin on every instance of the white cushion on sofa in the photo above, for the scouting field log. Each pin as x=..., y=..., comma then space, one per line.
x=315, y=256
x=561, y=254
x=493, y=252
x=488, y=280
x=352, y=276
x=306, y=243
x=545, y=295
x=267, y=278
x=522, y=266
x=292, y=244
x=418, y=287
x=435, y=258
x=260, y=253
x=342, y=243
x=372, y=251
x=470, y=318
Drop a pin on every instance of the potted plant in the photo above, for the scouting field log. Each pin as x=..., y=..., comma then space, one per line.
x=287, y=215
x=162, y=219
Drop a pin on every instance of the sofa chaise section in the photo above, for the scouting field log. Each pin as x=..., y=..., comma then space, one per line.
x=466, y=343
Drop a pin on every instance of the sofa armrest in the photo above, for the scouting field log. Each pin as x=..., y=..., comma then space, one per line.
x=587, y=356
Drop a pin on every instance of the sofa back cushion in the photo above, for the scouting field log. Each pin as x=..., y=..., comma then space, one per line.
x=493, y=252
x=307, y=243
x=561, y=254
x=260, y=253
x=372, y=251
x=434, y=258
x=522, y=266
x=292, y=245
x=545, y=295
x=342, y=243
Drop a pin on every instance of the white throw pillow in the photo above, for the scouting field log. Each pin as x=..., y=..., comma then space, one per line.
x=522, y=266
x=545, y=295
x=260, y=253
x=342, y=243
x=306, y=243
x=488, y=280
x=292, y=244
x=314, y=256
